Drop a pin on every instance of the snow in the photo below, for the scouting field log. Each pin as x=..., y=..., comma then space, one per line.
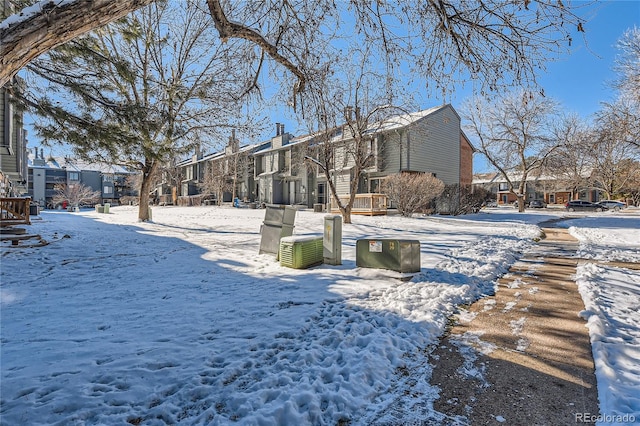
x=182, y=321
x=612, y=305
x=31, y=11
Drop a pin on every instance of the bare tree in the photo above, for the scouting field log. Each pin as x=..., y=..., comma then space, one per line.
x=492, y=42
x=622, y=116
x=141, y=91
x=75, y=194
x=412, y=192
x=613, y=158
x=515, y=134
x=628, y=64
x=236, y=163
x=216, y=180
x=349, y=111
x=571, y=164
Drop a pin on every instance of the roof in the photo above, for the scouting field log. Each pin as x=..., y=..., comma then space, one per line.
x=386, y=125
x=75, y=165
x=403, y=120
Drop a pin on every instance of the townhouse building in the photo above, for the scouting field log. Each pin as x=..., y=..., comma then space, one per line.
x=278, y=171
x=112, y=182
x=550, y=189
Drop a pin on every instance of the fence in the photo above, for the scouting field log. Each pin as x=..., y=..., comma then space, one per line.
x=14, y=211
x=365, y=204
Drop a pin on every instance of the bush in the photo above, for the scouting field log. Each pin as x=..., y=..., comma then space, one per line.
x=412, y=192
x=456, y=200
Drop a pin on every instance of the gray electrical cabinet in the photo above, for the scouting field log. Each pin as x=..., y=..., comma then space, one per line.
x=332, y=240
x=278, y=223
x=396, y=255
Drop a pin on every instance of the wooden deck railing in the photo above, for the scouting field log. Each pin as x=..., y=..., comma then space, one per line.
x=366, y=204
x=14, y=211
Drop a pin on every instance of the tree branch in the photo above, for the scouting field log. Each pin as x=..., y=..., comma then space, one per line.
x=228, y=29
x=54, y=25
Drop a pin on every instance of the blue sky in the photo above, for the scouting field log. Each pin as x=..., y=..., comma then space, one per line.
x=578, y=80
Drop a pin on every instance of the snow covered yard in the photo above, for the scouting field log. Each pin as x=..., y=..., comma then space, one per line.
x=182, y=321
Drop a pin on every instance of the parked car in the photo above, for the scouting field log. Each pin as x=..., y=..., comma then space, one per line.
x=579, y=205
x=537, y=204
x=613, y=205
x=492, y=203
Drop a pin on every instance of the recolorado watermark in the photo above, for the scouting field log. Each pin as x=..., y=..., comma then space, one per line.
x=604, y=418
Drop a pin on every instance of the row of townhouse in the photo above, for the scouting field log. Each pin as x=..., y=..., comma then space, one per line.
x=275, y=171
x=549, y=189
x=111, y=182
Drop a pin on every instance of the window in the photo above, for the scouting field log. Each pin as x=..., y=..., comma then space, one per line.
x=107, y=190
x=374, y=185
x=74, y=176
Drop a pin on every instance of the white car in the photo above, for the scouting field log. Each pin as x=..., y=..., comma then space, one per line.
x=613, y=204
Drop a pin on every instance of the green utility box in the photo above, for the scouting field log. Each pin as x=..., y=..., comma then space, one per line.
x=301, y=252
x=396, y=255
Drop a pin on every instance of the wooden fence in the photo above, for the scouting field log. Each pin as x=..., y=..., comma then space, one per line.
x=14, y=211
x=365, y=204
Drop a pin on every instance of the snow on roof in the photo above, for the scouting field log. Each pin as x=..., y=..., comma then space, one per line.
x=402, y=120
x=72, y=164
x=388, y=124
x=481, y=178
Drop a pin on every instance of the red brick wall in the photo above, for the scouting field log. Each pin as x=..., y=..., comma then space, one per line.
x=466, y=162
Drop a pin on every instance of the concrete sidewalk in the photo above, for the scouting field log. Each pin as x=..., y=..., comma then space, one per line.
x=523, y=356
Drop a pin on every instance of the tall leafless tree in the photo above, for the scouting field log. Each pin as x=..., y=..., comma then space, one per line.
x=570, y=166
x=216, y=180
x=628, y=64
x=615, y=161
x=348, y=110
x=515, y=134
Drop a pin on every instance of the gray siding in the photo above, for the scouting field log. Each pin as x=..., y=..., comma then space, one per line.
x=390, y=150
x=91, y=179
x=343, y=181
x=434, y=146
x=430, y=145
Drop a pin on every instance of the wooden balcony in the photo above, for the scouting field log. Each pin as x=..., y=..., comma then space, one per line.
x=365, y=204
x=14, y=211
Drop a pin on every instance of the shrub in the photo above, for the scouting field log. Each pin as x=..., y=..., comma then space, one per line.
x=412, y=192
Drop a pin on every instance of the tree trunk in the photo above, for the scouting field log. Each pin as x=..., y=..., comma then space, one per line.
x=145, y=188
x=521, y=194
x=55, y=25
